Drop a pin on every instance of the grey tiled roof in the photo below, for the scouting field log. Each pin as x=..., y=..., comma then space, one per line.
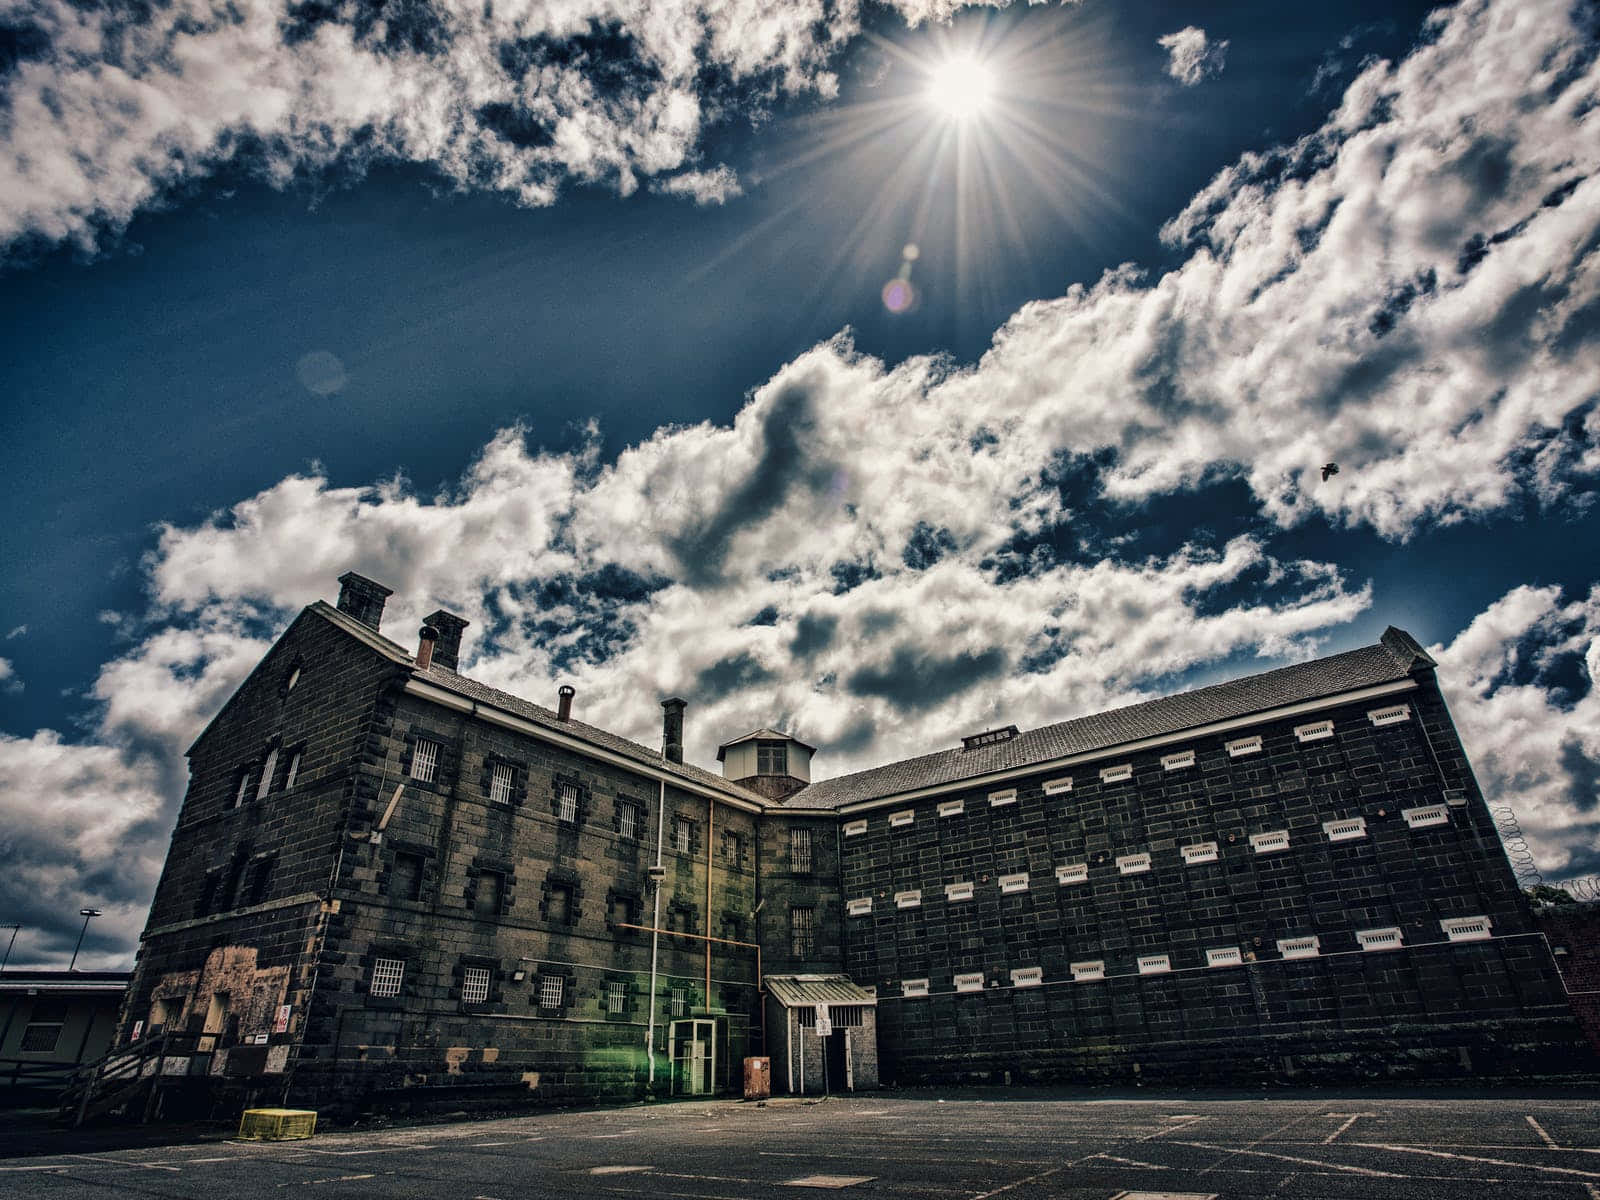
x=1391, y=659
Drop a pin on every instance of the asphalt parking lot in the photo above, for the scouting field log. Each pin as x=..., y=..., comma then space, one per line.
x=894, y=1146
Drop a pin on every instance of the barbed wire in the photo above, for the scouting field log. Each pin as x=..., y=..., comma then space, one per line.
x=1516, y=844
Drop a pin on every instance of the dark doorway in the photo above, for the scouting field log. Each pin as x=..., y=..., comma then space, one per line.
x=838, y=1080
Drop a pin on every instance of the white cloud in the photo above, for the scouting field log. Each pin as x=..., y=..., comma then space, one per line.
x=716, y=186
x=16, y=632
x=1192, y=56
x=9, y=683
x=1520, y=680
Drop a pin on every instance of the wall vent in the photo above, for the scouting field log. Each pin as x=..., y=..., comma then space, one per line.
x=988, y=737
x=1014, y=883
x=1224, y=956
x=1026, y=977
x=1199, y=852
x=958, y=891
x=1379, y=939
x=1176, y=762
x=855, y=828
x=969, y=983
x=1083, y=972
x=1348, y=830
x=1300, y=947
x=1239, y=747
x=1154, y=964
x=859, y=908
x=1008, y=796
x=1054, y=787
x=1315, y=732
x=1390, y=716
x=1072, y=873
x=1271, y=842
x=1431, y=814
x=904, y=817
x=1117, y=774
x=952, y=808
x=908, y=899
x=1467, y=929
x=1133, y=864
x=911, y=988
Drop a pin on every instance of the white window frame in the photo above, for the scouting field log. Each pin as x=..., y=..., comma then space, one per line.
x=1392, y=715
x=682, y=835
x=800, y=860
x=243, y=793
x=424, y=760
x=1120, y=773
x=1467, y=929
x=1003, y=797
x=1240, y=747
x=1027, y=977
x=1155, y=964
x=1345, y=829
x=616, y=997
x=906, y=816
x=1380, y=939
x=552, y=989
x=1088, y=972
x=859, y=907
x=1196, y=853
x=1133, y=864
x=567, y=803
x=910, y=898
x=1300, y=947
x=1224, y=956
x=913, y=989
x=268, y=769
x=628, y=814
x=502, y=782
x=1055, y=787
x=1010, y=885
x=1068, y=873
x=954, y=893
x=1426, y=815
x=293, y=772
x=1176, y=762
x=969, y=982
x=1270, y=842
x=388, y=976
x=855, y=828
x=952, y=808
x=678, y=1002
x=475, y=985
x=1314, y=731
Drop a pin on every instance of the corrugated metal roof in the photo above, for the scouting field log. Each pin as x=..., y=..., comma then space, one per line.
x=804, y=991
x=1391, y=659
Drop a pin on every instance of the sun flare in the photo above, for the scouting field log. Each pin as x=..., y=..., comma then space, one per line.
x=961, y=87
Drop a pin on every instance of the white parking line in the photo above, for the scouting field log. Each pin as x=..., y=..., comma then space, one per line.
x=1497, y=1162
x=1349, y=1121
x=1539, y=1129
x=1304, y=1162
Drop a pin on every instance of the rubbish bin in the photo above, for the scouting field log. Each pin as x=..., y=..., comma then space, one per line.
x=757, y=1078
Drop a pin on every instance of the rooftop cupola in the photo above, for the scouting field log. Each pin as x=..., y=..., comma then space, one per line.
x=767, y=761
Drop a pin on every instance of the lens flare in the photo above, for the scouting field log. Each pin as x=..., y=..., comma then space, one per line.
x=899, y=295
x=961, y=87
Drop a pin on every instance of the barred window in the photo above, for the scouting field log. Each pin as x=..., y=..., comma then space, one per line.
x=567, y=802
x=628, y=819
x=682, y=834
x=475, y=985
x=387, y=975
x=501, y=778
x=550, y=991
x=678, y=1002
x=616, y=997
x=424, y=760
x=267, y=773
x=800, y=851
x=293, y=772
x=801, y=937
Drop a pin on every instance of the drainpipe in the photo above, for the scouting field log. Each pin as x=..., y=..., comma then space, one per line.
x=657, y=873
x=711, y=819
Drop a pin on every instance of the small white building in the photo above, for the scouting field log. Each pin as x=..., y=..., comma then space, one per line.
x=842, y=1056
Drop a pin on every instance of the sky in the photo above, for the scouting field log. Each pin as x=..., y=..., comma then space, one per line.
x=884, y=373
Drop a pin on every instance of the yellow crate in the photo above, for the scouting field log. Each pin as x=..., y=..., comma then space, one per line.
x=276, y=1124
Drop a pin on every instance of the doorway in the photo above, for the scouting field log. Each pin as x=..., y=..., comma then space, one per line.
x=694, y=1057
x=836, y=1051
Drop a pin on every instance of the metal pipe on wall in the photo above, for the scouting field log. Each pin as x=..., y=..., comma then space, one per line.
x=655, y=937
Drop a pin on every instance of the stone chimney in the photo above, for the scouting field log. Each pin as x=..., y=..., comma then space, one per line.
x=363, y=599
x=672, y=729
x=448, y=652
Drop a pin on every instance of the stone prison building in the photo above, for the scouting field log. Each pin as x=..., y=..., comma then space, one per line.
x=391, y=884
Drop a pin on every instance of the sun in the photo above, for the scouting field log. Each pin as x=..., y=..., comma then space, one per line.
x=961, y=87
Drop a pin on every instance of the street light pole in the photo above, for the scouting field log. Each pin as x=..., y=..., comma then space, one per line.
x=88, y=914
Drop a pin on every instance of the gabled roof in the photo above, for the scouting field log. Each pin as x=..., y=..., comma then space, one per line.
x=763, y=734
x=1393, y=658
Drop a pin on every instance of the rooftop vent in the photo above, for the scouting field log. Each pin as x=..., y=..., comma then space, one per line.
x=988, y=737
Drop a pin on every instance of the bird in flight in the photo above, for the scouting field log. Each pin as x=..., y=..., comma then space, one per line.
x=1329, y=469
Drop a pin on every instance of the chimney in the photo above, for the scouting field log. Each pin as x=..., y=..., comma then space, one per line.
x=672, y=729
x=566, y=691
x=426, y=638
x=448, y=652
x=363, y=599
